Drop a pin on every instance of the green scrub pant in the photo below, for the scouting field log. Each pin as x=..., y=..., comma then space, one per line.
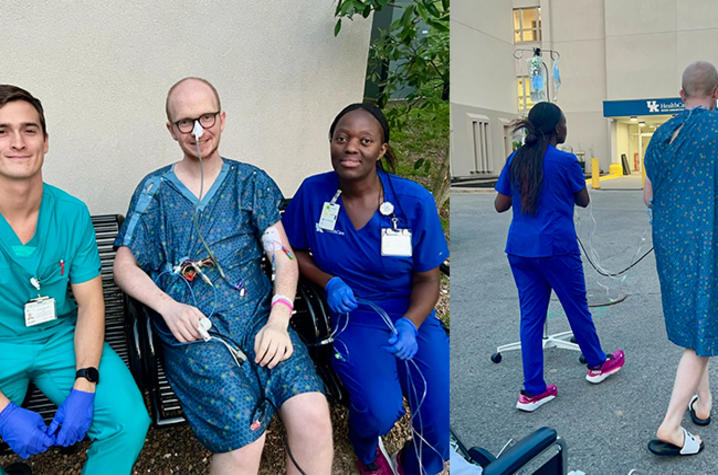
x=120, y=420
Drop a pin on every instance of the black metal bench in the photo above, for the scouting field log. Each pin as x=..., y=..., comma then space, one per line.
x=106, y=228
x=128, y=330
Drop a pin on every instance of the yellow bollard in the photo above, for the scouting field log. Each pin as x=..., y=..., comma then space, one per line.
x=643, y=175
x=595, y=171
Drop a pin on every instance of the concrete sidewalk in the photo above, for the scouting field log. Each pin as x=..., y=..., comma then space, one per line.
x=606, y=426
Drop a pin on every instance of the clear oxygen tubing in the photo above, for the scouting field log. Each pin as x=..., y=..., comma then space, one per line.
x=198, y=131
x=417, y=435
x=593, y=258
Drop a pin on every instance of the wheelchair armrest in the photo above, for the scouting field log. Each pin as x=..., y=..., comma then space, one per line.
x=521, y=453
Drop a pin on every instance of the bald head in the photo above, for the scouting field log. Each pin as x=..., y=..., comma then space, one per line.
x=700, y=79
x=188, y=86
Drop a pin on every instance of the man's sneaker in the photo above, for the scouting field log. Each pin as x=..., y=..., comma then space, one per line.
x=381, y=464
x=613, y=363
x=529, y=403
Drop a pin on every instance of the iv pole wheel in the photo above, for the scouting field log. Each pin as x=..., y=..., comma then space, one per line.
x=582, y=359
x=496, y=357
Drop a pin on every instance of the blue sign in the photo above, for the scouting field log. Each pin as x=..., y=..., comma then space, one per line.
x=671, y=105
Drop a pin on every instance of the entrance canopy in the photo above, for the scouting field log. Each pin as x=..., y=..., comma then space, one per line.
x=632, y=125
x=636, y=107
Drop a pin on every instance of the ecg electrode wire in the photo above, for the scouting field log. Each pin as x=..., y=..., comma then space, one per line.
x=191, y=291
x=195, y=219
x=611, y=274
x=334, y=337
x=195, y=216
x=226, y=341
x=592, y=251
x=415, y=413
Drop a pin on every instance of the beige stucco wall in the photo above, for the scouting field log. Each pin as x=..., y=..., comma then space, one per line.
x=577, y=33
x=482, y=72
x=102, y=70
x=650, y=42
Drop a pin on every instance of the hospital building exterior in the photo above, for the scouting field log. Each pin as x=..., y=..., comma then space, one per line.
x=619, y=65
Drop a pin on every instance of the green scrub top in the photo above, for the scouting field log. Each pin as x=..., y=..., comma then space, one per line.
x=63, y=250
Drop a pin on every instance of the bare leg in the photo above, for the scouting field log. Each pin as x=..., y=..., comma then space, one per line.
x=309, y=433
x=244, y=460
x=705, y=400
x=692, y=369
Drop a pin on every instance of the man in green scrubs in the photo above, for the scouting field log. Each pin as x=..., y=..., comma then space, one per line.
x=47, y=241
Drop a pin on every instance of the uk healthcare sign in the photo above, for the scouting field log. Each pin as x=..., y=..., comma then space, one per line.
x=668, y=106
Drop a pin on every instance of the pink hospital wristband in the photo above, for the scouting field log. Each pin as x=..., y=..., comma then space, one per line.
x=284, y=300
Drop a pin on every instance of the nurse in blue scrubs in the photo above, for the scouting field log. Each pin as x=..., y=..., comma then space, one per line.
x=375, y=237
x=542, y=184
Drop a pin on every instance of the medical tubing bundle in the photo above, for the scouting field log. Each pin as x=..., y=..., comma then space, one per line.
x=415, y=413
x=239, y=358
x=197, y=131
x=592, y=253
x=605, y=273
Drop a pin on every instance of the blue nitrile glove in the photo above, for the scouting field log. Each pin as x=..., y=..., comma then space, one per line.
x=24, y=431
x=73, y=417
x=340, y=296
x=403, y=344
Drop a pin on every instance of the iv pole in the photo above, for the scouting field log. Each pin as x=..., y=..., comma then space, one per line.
x=562, y=340
x=537, y=53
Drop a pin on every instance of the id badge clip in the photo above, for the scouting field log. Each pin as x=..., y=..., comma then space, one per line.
x=396, y=242
x=40, y=309
x=330, y=212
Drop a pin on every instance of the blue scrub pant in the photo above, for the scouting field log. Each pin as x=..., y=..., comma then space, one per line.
x=377, y=380
x=120, y=420
x=535, y=277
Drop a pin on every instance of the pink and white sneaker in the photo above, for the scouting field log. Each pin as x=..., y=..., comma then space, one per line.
x=614, y=362
x=381, y=464
x=529, y=403
x=396, y=461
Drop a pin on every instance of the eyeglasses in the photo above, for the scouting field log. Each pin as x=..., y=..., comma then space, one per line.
x=205, y=120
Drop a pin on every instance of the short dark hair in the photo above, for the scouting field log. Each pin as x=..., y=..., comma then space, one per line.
x=10, y=93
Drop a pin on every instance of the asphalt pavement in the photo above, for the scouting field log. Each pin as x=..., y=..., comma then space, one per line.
x=606, y=426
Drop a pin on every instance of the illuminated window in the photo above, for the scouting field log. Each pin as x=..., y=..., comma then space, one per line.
x=527, y=24
x=523, y=93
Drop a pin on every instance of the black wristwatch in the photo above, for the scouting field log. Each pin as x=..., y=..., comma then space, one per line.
x=90, y=374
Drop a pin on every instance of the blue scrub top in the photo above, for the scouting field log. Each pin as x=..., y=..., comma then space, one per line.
x=549, y=232
x=64, y=233
x=355, y=254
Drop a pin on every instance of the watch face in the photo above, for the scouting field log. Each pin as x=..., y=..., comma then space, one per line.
x=91, y=374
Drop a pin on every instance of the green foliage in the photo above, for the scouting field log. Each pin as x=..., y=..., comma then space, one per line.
x=420, y=62
x=422, y=146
